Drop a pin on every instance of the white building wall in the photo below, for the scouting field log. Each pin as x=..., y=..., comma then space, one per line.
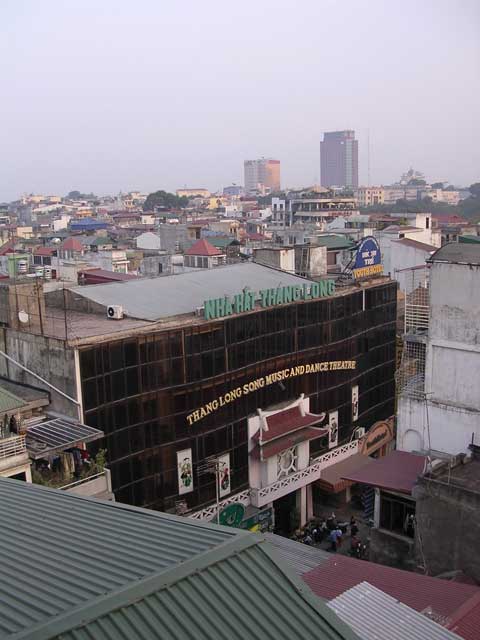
x=148, y=240
x=449, y=416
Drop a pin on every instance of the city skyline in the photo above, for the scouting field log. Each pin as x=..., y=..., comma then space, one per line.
x=98, y=101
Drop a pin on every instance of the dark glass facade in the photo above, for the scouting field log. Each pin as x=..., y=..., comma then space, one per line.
x=140, y=390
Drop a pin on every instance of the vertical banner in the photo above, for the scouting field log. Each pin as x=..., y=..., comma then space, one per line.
x=355, y=403
x=333, y=429
x=185, y=471
x=224, y=475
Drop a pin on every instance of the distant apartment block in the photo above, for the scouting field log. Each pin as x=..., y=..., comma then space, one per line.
x=339, y=159
x=262, y=176
x=192, y=193
x=368, y=196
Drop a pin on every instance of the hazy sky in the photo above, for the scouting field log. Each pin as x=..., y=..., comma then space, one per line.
x=103, y=95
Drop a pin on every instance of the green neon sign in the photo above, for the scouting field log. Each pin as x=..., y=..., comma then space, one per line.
x=246, y=300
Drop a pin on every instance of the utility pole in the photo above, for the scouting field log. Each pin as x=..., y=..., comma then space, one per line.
x=213, y=466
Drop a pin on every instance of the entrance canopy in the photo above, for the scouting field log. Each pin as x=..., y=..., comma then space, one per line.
x=54, y=436
x=396, y=472
x=332, y=478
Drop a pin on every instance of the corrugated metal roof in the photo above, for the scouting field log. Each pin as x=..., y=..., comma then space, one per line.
x=166, y=296
x=298, y=556
x=373, y=614
x=74, y=568
x=61, y=550
x=397, y=471
x=9, y=402
x=57, y=435
x=466, y=620
x=237, y=596
x=420, y=592
x=457, y=253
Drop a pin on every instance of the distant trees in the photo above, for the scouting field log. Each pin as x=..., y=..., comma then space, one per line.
x=78, y=195
x=163, y=199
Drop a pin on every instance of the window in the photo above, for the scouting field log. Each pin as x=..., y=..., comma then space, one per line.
x=395, y=513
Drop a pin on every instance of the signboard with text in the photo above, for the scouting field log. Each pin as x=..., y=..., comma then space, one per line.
x=368, y=261
x=246, y=300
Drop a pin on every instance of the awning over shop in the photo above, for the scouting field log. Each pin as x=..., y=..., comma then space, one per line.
x=397, y=471
x=274, y=447
x=332, y=478
x=56, y=435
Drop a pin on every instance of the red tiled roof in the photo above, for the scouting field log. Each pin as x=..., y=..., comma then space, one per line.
x=255, y=236
x=278, y=445
x=287, y=421
x=8, y=247
x=398, y=471
x=441, y=217
x=203, y=248
x=340, y=573
x=415, y=244
x=44, y=251
x=71, y=244
x=466, y=620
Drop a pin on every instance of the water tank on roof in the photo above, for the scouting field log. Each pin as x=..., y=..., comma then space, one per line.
x=22, y=266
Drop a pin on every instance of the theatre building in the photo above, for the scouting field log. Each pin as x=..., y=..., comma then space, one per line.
x=236, y=386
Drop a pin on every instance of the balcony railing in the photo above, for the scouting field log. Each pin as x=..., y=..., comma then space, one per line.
x=12, y=446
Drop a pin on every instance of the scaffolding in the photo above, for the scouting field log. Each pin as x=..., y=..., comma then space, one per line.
x=410, y=377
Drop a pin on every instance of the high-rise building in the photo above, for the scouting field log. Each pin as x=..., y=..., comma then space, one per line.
x=262, y=176
x=339, y=159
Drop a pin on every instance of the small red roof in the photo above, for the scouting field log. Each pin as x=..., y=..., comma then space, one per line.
x=398, y=471
x=340, y=573
x=44, y=251
x=8, y=247
x=71, y=244
x=203, y=248
x=278, y=445
x=255, y=236
x=286, y=422
x=442, y=217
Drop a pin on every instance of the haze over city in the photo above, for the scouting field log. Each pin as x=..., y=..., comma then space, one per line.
x=108, y=96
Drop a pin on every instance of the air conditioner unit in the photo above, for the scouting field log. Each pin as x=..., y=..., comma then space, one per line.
x=115, y=312
x=359, y=432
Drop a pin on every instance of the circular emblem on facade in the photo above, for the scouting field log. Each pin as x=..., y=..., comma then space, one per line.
x=232, y=515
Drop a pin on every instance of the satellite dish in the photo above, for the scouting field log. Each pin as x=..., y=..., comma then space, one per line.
x=23, y=316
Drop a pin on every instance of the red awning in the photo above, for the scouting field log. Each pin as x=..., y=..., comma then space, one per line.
x=331, y=478
x=273, y=448
x=286, y=422
x=396, y=472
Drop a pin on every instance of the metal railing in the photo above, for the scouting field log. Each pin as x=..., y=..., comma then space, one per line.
x=12, y=446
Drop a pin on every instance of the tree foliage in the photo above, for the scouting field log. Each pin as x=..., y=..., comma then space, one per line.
x=78, y=195
x=468, y=208
x=164, y=200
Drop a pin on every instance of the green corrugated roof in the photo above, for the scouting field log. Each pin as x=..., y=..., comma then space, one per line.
x=234, y=593
x=469, y=239
x=62, y=551
x=334, y=242
x=76, y=569
x=9, y=402
x=220, y=242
